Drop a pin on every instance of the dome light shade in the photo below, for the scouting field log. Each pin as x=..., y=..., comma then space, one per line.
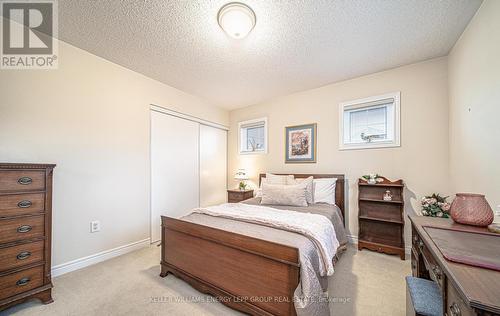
x=236, y=19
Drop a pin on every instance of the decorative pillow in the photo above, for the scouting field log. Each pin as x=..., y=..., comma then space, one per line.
x=277, y=179
x=279, y=194
x=309, y=187
x=258, y=191
x=273, y=179
x=324, y=190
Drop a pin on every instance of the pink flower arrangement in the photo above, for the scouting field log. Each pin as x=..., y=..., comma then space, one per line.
x=435, y=206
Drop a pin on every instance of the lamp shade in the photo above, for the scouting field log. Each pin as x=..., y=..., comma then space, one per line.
x=241, y=175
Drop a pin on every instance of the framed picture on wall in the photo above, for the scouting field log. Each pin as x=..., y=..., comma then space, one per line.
x=300, y=143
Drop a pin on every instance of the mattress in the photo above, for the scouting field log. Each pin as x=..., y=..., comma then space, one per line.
x=309, y=295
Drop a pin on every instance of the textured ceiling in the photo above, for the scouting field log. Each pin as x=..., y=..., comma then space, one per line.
x=296, y=45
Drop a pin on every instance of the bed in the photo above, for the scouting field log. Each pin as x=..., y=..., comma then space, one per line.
x=251, y=268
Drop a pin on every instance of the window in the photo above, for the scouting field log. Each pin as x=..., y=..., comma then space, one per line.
x=370, y=123
x=253, y=136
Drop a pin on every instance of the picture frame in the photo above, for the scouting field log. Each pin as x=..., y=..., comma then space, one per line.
x=300, y=143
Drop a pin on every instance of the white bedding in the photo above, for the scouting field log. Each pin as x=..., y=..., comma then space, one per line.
x=317, y=228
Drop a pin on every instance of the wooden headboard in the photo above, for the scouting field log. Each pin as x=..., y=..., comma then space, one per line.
x=339, y=188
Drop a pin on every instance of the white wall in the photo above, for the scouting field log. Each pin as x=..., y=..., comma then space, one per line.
x=421, y=161
x=91, y=118
x=474, y=76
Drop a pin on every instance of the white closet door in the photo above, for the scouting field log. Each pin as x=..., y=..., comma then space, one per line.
x=174, y=168
x=213, y=157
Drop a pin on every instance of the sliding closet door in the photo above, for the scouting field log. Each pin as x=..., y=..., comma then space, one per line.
x=213, y=163
x=174, y=168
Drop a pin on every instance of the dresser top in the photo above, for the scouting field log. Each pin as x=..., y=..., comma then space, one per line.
x=8, y=165
x=480, y=287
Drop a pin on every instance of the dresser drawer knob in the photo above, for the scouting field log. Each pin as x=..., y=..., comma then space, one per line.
x=24, y=204
x=23, y=255
x=421, y=245
x=24, y=228
x=437, y=272
x=23, y=281
x=25, y=180
x=455, y=310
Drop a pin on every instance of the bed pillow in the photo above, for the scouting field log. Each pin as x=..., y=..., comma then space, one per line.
x=324, y=190
x=258, y=191
x=309, y=187
x=273, y=179
x=277, y=179
x=279, y=194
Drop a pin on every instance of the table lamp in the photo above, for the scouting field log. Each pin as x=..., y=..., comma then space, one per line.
x=241, y=175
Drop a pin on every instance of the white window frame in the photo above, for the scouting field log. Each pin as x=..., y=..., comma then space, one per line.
x=248, y=122
x=360, y=103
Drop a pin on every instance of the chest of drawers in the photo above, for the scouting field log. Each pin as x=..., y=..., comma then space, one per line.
x=25, y=233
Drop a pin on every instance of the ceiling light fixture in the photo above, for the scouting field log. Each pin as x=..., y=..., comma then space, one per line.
x=236, y=19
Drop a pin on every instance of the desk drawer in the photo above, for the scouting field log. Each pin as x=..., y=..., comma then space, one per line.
x=455, y=306
x=22, y=281
x=18, y=204
x=20, y=255
x=435, y=271
x=22, y=180
x=21, y=228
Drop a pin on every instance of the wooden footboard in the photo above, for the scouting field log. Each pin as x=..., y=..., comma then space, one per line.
x=252, y=275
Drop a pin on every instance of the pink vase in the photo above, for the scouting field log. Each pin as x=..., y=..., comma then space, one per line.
x=471, y=209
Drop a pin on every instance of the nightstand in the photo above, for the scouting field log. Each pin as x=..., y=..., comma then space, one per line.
x=235, y=196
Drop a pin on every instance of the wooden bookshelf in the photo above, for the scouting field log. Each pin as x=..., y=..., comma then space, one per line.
x=381, y=223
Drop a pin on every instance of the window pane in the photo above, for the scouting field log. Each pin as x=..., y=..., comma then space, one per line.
x=371, y=122
x=255, y=138
x=367, y=124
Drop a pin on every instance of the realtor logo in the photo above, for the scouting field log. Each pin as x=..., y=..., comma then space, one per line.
x=29, y=31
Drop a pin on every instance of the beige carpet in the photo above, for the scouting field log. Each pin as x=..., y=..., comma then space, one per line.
x=365, y=283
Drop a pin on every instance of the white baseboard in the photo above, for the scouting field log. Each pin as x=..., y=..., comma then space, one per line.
x=80, y=263
x=353, y=239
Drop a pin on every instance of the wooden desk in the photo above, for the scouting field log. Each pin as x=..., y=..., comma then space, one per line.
x=466, y=290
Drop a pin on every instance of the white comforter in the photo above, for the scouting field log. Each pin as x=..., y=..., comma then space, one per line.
x=315, y=227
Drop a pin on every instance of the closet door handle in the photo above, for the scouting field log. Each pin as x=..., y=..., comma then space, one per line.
x=25, y=180
x=24, y=204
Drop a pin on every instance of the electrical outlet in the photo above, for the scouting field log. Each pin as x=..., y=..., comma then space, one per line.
x=95, y=226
